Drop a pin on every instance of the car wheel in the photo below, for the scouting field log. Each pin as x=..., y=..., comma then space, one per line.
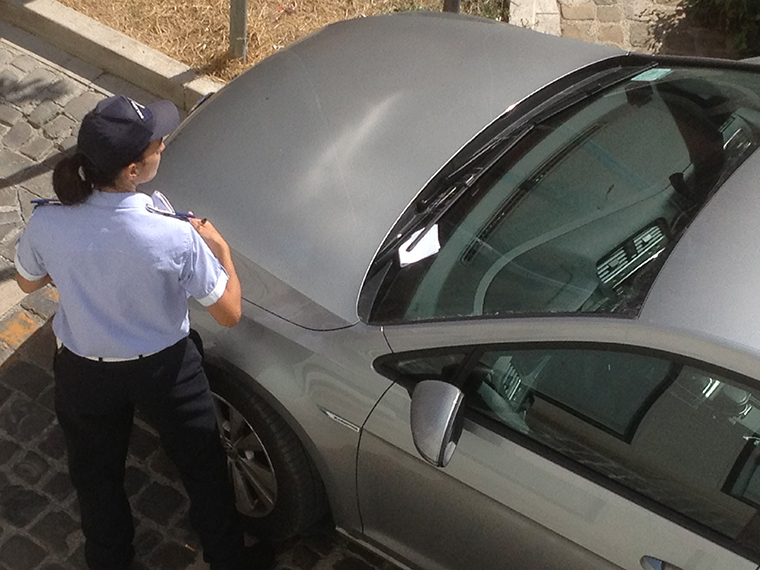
x=277, y=488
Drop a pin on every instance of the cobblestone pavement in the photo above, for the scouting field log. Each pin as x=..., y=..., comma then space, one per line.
x=42, y=99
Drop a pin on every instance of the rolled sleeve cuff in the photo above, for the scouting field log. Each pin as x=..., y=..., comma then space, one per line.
x=24, y=273
x=217, y=292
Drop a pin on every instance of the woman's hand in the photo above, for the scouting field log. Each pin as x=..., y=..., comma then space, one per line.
x=211, y=236
x=31, y=286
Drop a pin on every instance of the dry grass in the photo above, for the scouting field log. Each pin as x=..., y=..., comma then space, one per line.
x=196, y=32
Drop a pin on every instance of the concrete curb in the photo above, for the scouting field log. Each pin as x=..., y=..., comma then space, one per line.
x=109, y=50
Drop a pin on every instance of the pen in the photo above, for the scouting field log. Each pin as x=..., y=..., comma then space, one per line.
x=178, y=215
x=171, y=214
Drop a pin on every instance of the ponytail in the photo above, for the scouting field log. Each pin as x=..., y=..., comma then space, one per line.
x=69, y=184
x=75, y=177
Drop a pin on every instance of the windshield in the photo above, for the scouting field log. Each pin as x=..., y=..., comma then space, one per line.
x=579, y=214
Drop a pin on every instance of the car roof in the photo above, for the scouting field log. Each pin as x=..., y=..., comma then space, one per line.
x=709, y=286
x=306, y=160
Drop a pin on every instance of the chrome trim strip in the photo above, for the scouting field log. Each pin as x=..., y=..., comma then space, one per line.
x=342, y=421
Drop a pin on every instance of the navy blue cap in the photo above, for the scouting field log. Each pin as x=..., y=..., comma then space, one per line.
x=118, y=130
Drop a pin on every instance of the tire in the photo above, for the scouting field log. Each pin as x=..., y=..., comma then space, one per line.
x=277, y=488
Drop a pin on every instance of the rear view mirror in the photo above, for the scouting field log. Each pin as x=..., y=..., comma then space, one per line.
x=436, y=416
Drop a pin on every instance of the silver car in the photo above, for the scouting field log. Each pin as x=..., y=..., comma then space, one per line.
x=502, y=301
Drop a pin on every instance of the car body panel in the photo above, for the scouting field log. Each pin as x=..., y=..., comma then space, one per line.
x=263, y=289
x=715, y=300
x=338, y=156
x=509, y=505
x=312, y=379
x=429, y=517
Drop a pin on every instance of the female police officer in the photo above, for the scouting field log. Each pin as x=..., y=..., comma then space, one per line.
x=123, y=275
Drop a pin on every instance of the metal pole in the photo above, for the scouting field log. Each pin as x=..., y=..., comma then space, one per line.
x=451, y=6
x=239, y=29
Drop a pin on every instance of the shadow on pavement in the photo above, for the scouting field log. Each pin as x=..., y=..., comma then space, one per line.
x=24, y=174
x=30, y=89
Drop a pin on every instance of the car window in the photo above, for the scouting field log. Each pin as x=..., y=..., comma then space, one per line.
x=670, y=431
x=580, y=210
x=432, y=367
x=609, y=390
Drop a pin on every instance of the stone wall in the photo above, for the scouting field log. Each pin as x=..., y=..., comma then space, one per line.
x=651, y=26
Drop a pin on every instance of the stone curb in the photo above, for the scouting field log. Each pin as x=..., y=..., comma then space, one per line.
x=109, y=50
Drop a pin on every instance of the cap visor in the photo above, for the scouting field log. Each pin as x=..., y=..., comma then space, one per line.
x=166, y=116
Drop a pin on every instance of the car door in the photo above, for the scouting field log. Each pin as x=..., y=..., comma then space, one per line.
x=572, y=455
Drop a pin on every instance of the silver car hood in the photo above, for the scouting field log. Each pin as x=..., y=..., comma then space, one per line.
x=306, y=160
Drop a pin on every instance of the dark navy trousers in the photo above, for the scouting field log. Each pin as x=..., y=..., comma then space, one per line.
x=95, y=402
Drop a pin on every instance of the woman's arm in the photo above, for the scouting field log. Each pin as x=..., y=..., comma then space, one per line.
x=228, y=309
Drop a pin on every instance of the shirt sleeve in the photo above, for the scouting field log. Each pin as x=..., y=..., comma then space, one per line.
x=28, y=262
x=203, y=277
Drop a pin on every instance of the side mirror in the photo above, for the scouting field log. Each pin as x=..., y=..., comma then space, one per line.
x=436, y=420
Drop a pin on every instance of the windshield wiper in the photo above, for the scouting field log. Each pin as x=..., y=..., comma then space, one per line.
x=445, y=200
x=402, y=235
x=443, y=204
x=513, y=134
x=492, y=144
x=586, y=89
x=554, y=105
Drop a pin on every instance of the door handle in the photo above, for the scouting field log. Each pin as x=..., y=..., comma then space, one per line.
x=651, y=563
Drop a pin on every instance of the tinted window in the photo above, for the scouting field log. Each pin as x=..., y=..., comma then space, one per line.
x=674, y=433
x=576, y=213
x=609, y=390
x=434, y=367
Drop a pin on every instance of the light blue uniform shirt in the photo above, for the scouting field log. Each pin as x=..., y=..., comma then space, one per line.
x=124, y=274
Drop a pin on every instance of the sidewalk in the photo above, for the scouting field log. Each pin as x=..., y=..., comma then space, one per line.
x=44, y=93
x=41, y=103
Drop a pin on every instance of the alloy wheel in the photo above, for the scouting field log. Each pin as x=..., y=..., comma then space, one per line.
x=248, y=464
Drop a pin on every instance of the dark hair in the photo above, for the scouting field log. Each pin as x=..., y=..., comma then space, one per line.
x=75, y=177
